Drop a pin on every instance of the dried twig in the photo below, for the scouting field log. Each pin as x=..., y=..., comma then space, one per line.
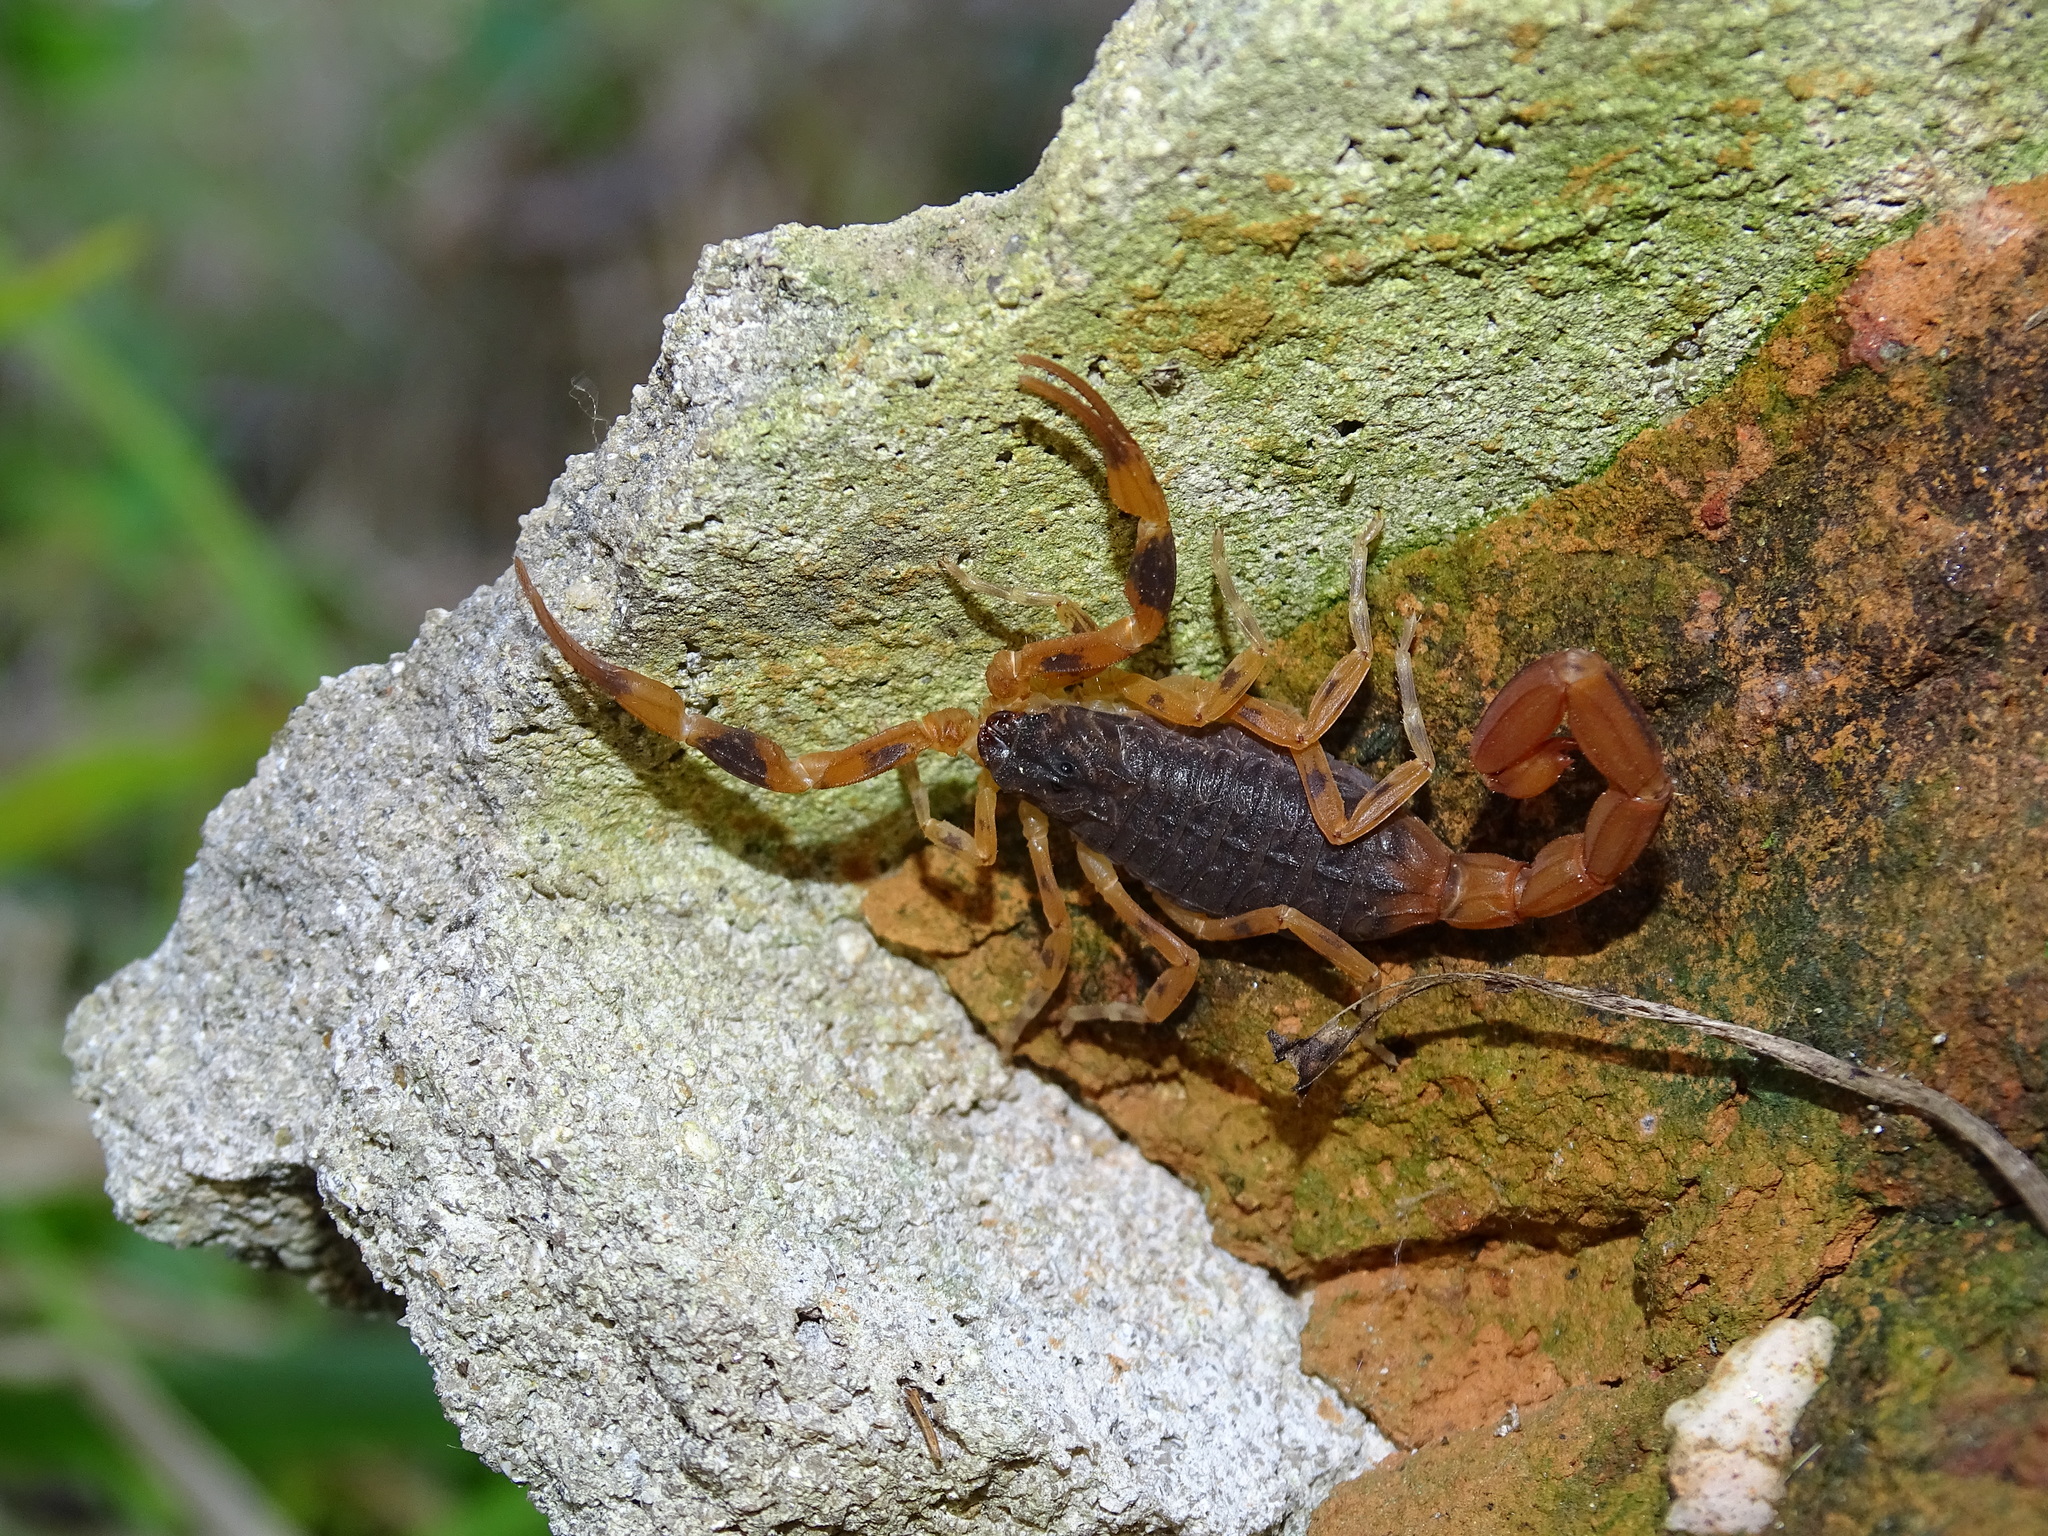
x=1315, y=1055
x=915, y=1399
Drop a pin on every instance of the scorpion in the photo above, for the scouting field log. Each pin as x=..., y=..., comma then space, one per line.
x=1222, y=804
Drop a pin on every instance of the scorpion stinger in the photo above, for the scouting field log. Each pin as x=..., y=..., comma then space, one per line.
x=1514, y=750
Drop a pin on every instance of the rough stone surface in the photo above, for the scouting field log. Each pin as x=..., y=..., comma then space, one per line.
x=682, y=1179
x=1730, y=1440
x=1934, y=1415
x=483, y=996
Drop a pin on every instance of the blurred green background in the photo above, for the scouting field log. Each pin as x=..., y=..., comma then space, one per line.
x=302, y=304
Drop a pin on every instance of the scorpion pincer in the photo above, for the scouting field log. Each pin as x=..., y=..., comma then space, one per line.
x=1222, y=804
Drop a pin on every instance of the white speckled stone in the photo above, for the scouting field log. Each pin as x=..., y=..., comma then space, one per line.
x=1730, y=1440
x=681, y=1177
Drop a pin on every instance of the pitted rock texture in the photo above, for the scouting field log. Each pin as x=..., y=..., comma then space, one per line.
x=484, y=996
x=682, y=1178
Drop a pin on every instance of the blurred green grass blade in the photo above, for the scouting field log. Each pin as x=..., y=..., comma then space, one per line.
x=286, y=646
x=219, y=1495
x=36, y=292
x=54, y=803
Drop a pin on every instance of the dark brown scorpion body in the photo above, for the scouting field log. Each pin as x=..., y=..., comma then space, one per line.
x=1215, y=819
x=1222, y=803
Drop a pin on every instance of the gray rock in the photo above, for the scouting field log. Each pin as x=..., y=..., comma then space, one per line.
x=682, y=1179
x=482, y=998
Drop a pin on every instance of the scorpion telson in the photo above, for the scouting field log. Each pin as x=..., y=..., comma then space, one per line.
x=1223, y=805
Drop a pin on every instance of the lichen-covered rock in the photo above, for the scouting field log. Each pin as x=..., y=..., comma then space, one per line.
x=1453, y=1341
x=1431, y=259
x=1934, y=1415
x=684, y=1182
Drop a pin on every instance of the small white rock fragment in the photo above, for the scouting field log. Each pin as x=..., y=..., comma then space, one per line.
x=700, y=1145
x=1731, y=1439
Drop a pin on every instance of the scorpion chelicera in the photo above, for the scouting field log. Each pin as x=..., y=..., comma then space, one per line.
x=1224, y=805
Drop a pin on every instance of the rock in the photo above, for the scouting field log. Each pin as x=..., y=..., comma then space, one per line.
x=682, y=1179
x=1452, y=1342
x=1730, y=1441
x=1932, y=1411
x=483, y=998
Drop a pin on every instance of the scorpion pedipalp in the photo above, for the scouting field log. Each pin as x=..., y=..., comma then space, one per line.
x=1199, y=701
x=1515, y=750
x=743, y=753
x=1149, y=583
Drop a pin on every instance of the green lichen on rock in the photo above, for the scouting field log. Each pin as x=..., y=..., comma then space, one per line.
x=1427, y=259
x=1934, y=1416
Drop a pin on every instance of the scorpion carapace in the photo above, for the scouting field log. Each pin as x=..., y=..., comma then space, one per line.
x=1222, y=804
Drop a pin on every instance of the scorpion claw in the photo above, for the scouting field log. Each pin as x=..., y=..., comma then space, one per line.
x=1515, y=749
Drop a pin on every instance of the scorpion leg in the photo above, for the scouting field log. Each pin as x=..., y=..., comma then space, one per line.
x=1302, y=736
x=1059, y=938
x=1282, y=726
x=747, y=754
x=1181, y=960
x=1357, y=969
x=1325, y=802
x=1514, y=750
x=1197, y=701
x=1148, y=586
x=1071, y=613
x=981, y=847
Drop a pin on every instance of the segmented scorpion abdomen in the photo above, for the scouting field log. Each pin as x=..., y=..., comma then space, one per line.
x=1214, y=818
